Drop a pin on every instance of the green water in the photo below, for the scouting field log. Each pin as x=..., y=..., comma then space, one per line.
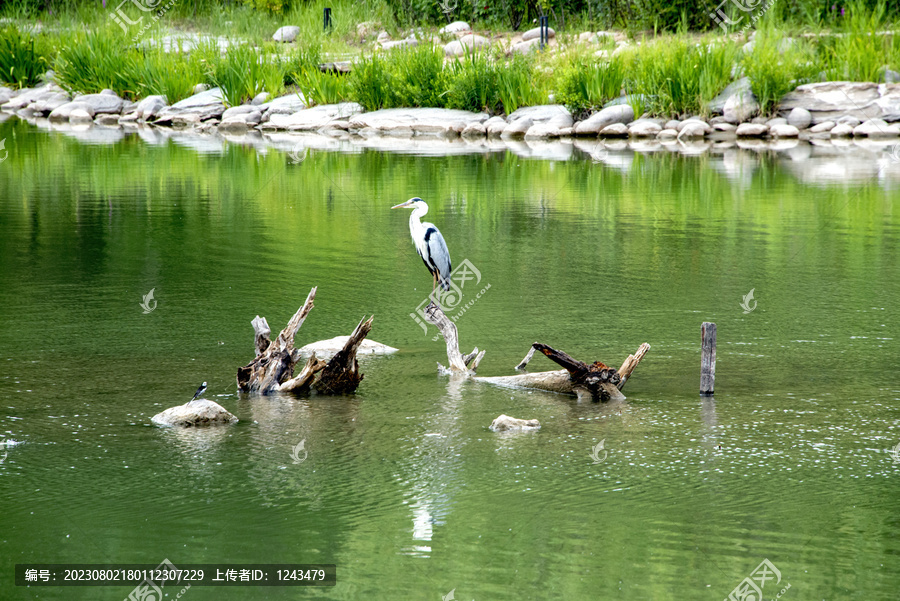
x=404, y=488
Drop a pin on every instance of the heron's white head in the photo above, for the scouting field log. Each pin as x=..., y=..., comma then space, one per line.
x=412, y=203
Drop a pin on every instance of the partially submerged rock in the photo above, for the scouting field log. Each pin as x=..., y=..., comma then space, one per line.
x=505, y=423
x=327, y=348
x=311, y=119
x=199, y=107
x=434, y=121
x=196, y=413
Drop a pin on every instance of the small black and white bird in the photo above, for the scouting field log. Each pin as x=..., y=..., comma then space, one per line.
x=199, y=392
x=429, y=243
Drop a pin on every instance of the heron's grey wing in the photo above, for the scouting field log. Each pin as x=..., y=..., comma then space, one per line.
x=438, y=254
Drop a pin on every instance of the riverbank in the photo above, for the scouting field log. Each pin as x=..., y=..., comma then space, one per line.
x=827, y=110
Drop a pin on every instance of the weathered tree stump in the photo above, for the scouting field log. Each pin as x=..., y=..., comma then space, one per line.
x=598, y=380
x=273, y=368
x=341, y=374
x=456, y=360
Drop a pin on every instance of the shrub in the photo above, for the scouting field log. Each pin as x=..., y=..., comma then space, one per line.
x=418, y=77
x=473, y=84
x=370, y=83
x=585, y=85
x=519, y=84
x=776, y=66
x=243, y=72
x=322, y=88
x=21, y=64
x=95, y=61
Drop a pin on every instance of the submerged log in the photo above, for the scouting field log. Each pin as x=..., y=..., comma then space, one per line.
x=598, y=380
x=456, y=360
x=273, y=368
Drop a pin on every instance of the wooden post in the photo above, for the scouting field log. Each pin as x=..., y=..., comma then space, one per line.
x=707, y=358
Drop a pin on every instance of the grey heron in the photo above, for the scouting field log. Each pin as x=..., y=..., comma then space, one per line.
x=429, y=243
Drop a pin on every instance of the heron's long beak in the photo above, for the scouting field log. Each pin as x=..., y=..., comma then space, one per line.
x=403, y=205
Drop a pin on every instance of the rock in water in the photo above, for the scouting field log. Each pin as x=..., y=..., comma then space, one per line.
x=505, y=423
x=325, y=349
x=196, y=413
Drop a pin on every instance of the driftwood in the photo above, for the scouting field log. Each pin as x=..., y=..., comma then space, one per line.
x=597, y=380
x=273, y=368
x=456, y=360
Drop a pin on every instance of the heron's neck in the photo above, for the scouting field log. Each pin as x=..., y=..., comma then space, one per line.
x=415, y=218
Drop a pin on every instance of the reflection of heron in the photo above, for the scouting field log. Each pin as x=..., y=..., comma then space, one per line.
x=429, y=243
x=197, y=394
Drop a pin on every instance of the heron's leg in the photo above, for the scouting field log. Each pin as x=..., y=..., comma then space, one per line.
x=433, y=283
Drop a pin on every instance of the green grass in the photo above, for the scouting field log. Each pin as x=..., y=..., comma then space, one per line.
x=322, y=88
x=678, y=76
x=776, y=66
x=862, y=50
x=586, y=83
x=23, y=59
x=95, y=61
